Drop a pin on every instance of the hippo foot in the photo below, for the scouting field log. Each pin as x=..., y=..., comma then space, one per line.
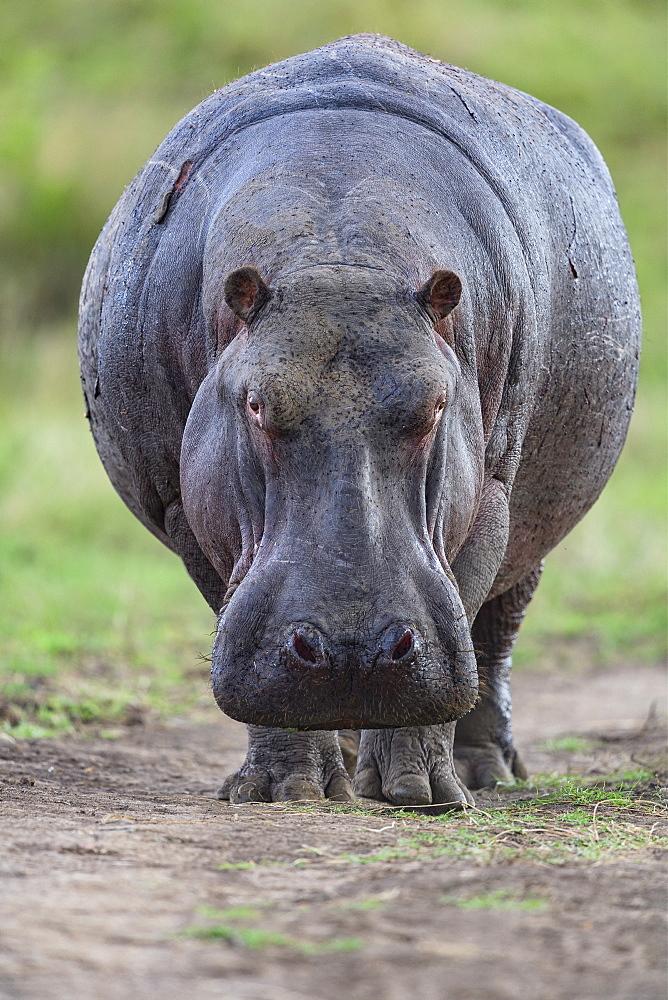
x=410, y=767
x=484, y=765
x=285, y=766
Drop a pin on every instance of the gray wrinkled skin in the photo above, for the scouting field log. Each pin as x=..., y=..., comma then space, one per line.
x=360, y=344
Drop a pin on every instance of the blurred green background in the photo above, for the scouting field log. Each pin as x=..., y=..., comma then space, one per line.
x=97, y=621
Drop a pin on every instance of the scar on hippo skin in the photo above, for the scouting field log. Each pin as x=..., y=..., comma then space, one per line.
x=175, y=190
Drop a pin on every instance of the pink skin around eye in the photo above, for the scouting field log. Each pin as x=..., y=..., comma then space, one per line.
x=437, y=414
x=255, y=412
x=255, y=409
x=424, y=436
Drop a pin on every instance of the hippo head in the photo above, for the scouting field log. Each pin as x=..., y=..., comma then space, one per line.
x=330, y=472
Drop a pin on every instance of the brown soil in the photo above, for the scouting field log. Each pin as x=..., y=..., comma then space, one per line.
x=110, y=850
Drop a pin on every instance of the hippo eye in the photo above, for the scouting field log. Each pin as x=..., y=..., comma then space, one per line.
x=440, y=406
x=254, y=404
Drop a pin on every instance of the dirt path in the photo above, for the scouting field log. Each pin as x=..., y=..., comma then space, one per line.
x=111, y=850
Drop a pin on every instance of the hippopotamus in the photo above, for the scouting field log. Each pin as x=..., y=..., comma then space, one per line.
x=359, y=343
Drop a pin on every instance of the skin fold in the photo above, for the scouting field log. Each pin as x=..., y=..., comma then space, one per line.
x=359, y=343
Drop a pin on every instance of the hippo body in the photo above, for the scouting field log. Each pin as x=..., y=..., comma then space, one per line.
x=359, y=343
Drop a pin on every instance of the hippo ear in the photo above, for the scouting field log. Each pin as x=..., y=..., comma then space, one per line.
x=440, y=294
x=246, y=292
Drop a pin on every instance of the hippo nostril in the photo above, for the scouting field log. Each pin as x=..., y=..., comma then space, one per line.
x=404, y=646
x=304, y=649
x=398, y=644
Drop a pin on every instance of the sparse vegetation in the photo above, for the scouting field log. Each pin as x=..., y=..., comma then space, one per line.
x=228, y=925
x=571, y=744
x=498, y=899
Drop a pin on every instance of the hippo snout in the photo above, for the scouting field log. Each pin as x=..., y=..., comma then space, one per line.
x=301, y=677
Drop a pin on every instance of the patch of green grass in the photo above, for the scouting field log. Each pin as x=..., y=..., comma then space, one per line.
x=571, y=744
x=543, y=838
x=571, y=822
x=622, y=786
x=246, y=937
x=229, y=927
x=635, y=776
x=27, y=731
x=365, y=905
x=32, y=712
x=497, y=899
x=556, y=819
x=576, y=817
x=233, y=913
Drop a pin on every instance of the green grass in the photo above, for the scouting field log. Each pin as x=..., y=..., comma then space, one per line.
x=497, y=899
x=571, y=744
x=611, y=830
x=546, y=786
x=366, y=905
x=227, y=925
x=232, y=913
x=555, y=820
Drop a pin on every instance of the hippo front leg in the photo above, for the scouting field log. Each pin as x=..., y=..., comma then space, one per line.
x=410, y=767
x=484, y=750
x=282, y=765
